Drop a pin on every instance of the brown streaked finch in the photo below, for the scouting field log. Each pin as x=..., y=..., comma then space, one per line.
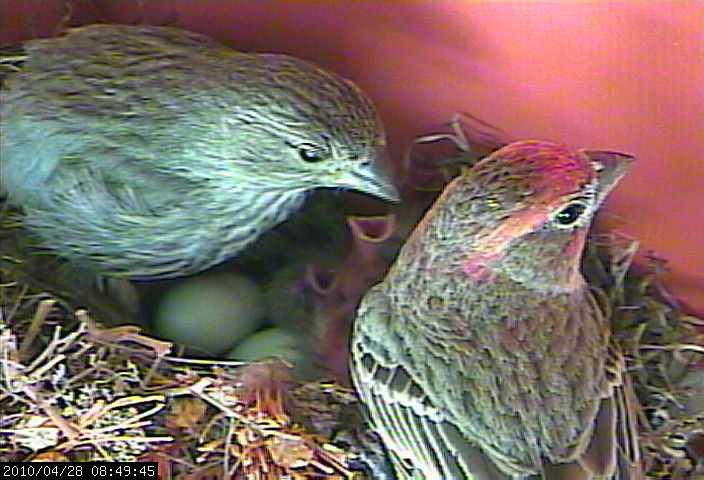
x=483, y=354
x=153, y=152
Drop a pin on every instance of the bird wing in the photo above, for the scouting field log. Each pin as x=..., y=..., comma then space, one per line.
x=619, y=439
x=422, y=443
x=613, y=451
x=100, y=129
x=614, y=446
x=629, y=464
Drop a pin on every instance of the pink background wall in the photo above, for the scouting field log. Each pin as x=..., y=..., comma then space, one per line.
x=627, y=76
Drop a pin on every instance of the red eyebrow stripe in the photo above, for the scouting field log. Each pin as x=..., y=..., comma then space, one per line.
x=516, y=225
x=490, y=248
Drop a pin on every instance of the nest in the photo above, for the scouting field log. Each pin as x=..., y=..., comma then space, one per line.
x=664, y=350
x=77, y=386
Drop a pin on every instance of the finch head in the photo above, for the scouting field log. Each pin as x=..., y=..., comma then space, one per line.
x=525, y=211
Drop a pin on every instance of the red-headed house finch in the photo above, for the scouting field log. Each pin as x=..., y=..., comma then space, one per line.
x=149, y=152
x=483, y=354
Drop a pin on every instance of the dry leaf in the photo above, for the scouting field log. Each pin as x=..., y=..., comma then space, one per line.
x=289, y=451
x=186, y=413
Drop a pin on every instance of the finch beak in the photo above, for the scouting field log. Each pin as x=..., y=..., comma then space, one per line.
x=369, y=178
x=610, y=168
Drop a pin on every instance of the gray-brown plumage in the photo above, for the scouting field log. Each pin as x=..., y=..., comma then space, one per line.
x=155, y=152
x=483, y=354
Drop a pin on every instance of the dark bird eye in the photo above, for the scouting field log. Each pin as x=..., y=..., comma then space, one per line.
x=570, y=214
x=310, y=153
